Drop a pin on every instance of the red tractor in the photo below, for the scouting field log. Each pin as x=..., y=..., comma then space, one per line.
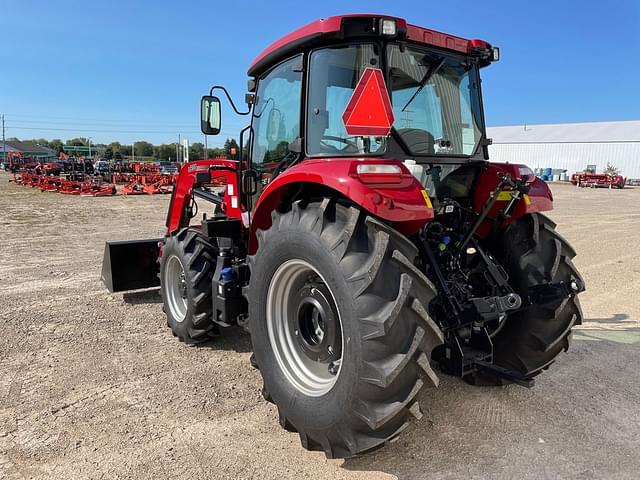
x=362, y=237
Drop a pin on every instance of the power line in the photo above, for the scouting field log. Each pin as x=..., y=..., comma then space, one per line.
x=81, y=130
x=107, y=124
x=102, y=119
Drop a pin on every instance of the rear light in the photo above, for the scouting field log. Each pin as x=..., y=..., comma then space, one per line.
x=525, y=171
x=483, y=50
x=379, y=173
x=389, y=28
x=477, y=44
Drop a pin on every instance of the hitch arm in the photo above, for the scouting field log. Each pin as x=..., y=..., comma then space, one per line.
x=505, y=179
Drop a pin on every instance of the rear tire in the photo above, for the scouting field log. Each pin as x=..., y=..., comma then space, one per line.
x=533, y=253
x=380, y=302
x=186, y=271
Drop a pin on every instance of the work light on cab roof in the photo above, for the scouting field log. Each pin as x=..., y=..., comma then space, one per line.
x=361, y=235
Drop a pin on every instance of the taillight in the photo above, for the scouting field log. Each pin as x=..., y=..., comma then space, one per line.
x=525, y=171
x=379, y=173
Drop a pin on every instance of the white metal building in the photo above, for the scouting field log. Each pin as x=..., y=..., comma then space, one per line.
x=570, y=146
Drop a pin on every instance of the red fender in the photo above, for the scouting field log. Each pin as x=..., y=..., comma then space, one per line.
x=402, y=204
x=182, y=191
x=539, y=198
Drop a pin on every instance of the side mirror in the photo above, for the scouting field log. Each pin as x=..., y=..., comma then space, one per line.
x=250, y=182
x=210, y=115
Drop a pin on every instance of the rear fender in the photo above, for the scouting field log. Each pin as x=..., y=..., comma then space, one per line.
x=203, y=171
x=539, y=198
x=402, y=204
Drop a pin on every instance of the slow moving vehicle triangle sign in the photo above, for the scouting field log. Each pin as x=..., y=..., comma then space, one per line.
x=369, y=111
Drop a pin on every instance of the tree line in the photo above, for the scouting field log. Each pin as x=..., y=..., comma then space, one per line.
x=142, y=149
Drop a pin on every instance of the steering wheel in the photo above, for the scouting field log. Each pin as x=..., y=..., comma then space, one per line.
x=332, y=138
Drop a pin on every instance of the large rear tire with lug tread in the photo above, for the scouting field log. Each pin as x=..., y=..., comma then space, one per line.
x=186, y=271
x=339, y=326
x=533, y=253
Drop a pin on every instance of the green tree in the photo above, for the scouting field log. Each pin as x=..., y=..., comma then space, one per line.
x=611, y=169
x=228, y=145
x=56, y=144
x=43, y=142
x=216, y=152
x=165, y=152
x=144, y=149
x=196, y=151
x=115, y=147
x=78, y=142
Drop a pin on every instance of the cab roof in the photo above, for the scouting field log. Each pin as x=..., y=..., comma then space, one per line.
x=340, y=27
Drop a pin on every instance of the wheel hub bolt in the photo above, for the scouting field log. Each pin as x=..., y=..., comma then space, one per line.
x=334, y=367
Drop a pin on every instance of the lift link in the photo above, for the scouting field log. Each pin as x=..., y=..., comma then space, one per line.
x=551, y=292
x=469, y=348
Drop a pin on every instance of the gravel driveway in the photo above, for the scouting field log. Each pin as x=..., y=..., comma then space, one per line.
x=93, y=385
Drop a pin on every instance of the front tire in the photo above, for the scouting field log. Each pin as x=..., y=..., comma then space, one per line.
x=186, y=271
x=371, y=303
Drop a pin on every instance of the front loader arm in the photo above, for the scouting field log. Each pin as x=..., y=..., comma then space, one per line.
x=194, y=175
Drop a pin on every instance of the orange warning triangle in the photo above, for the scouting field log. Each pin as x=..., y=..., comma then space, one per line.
x=369, y=111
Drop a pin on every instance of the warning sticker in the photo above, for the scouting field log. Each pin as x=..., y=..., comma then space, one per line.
x=427, y=200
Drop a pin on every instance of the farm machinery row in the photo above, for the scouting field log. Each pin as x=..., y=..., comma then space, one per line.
x=73, y=185
x=363, y=239
x=142, y=178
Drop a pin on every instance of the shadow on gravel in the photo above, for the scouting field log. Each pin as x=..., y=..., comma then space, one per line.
x=232, y=338
x=616, y=317
x=619, y=328
x=139, y=298
x=514, y=432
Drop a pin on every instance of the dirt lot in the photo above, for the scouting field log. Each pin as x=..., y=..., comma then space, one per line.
x=93, y=385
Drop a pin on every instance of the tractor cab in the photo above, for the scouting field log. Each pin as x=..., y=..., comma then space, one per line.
x=427, y=106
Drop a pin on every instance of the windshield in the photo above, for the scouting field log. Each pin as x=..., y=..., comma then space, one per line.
x=435, y=100
x=335, y=74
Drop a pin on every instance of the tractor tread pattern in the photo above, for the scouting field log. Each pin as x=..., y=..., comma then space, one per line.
x=388, y=384
x=533, y=254
x=200, y=255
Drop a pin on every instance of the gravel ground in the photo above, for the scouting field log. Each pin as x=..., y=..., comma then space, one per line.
x=93, y=385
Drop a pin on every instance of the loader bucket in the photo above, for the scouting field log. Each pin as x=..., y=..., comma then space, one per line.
x=130, y=265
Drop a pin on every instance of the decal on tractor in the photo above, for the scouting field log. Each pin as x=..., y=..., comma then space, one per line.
x=369, y=111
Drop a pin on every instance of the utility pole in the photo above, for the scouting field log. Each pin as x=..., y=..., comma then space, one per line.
x=133, y=151
x=205, y=148
x=4, y=143
x=179, y=148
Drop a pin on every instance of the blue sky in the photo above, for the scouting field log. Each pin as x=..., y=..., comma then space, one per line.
x=135, y=70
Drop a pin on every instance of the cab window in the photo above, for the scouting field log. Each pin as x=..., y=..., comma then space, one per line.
x=334, y=74
x=276, y=113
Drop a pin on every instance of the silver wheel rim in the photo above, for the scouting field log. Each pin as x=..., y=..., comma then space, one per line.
x=175, y=288
x=288, y=320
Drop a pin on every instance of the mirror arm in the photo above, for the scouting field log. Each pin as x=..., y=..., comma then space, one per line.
x=219, y=87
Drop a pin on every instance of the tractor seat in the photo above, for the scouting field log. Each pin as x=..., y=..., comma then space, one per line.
x=419, y=141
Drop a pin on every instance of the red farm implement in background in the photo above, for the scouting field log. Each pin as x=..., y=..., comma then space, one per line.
x=591, y=179
x=362, y=238
x=81, y=185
